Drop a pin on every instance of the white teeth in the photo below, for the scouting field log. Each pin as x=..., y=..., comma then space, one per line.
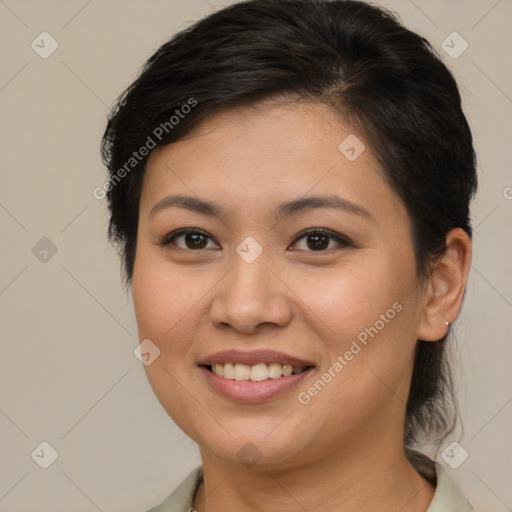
x=219, y=370
x=255, y=373
x=275, y=371
x=287, y=370
x=228, y=371
x=242, y=372
x=259, y=372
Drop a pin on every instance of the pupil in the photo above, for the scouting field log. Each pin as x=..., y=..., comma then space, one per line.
x=315, y=242
x=198, y=240
x=320, y=241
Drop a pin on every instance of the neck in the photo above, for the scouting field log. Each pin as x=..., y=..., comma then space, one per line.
x=367, y=477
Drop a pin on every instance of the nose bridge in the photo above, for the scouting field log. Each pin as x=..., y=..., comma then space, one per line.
x=247, y=279
x=250, y=295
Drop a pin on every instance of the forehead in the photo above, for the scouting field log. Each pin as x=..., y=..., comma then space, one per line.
x=278, y=132
x=268, y=153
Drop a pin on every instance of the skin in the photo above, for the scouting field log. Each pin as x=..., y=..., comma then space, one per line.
x=312, y=304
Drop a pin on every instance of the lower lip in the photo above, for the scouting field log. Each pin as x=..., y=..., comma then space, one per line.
x=247, y=391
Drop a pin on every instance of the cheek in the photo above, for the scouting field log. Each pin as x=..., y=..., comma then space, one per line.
x=166, y=305
x=346, y=300
x=364, y=315
x=162, y=297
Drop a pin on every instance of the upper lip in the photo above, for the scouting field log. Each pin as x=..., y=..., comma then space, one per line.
x=252, y=358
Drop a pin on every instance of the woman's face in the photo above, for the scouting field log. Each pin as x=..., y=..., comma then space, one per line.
x=253, y=293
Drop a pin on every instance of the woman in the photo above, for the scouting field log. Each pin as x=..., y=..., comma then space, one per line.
x=289, y=186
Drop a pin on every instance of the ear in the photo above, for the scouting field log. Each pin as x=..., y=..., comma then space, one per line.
x=446, y=286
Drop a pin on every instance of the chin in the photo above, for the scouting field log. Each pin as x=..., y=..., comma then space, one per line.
x=262, y=454
x=258, y=443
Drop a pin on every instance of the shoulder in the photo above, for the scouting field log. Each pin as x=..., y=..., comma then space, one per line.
x=181, y=499
x=447, y=497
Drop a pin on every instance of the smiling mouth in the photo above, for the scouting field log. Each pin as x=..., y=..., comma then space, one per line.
x=255, y=373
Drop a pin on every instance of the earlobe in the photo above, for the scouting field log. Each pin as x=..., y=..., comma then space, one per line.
x=445, y=290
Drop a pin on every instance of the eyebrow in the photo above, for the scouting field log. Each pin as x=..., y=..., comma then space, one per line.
x=284, y=210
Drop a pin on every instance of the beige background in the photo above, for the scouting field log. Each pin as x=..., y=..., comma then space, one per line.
x=68, y=375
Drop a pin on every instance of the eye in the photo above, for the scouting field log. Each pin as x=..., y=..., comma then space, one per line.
x=316, y=240
x=319, y=239
x=188, y=239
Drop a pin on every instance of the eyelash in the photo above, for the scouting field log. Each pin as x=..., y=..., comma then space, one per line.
x=342, y=241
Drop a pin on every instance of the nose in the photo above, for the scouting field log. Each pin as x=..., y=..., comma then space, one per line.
x=250, y=297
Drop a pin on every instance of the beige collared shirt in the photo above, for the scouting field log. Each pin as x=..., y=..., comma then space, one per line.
x=447, y=497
